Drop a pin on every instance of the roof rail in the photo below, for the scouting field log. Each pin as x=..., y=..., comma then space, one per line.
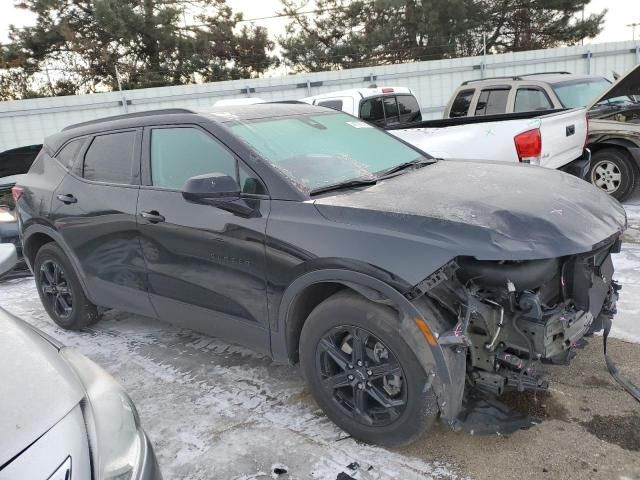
x=291, y=102
x=545, y=73
x=148, y=113
x=514, y=77
x=508, y=77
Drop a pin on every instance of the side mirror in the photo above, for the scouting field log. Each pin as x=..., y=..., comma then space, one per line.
x=211, y=187
x=8, y=258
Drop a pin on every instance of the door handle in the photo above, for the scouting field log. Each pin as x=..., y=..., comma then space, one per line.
x=67, y=198
x=153, y=216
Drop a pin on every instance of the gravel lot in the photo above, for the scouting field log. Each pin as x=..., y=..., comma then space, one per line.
x=215, y=410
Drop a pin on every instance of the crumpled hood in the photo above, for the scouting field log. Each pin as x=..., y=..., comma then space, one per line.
x=37, y=388
x=489, y=210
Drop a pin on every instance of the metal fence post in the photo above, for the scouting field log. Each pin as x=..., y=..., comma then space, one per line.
x=589, y=55
x=483, y=64
x=309, y=87
x=124, y=99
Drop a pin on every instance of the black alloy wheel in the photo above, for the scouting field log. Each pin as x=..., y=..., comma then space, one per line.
x=56, y=289
x=362, y=375
x=60, y=289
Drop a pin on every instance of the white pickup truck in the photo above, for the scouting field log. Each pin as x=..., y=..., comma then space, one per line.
x=550, y=138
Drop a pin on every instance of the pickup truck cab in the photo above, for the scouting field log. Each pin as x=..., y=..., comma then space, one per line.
x=381, y=106
x=612, y=110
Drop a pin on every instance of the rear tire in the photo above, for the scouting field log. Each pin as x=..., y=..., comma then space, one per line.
x=391, y=386
x=60, y=290
x=613, y=172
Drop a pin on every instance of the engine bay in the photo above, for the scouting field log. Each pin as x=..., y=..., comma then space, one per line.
x=516, y=316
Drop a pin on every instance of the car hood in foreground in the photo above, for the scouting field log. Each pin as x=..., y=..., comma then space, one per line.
x=37, y=388
x=489, y=210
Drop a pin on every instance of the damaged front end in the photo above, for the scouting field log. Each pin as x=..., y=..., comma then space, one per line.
x=508, y=319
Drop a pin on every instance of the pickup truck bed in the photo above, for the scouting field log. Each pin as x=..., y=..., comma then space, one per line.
x=492, y=137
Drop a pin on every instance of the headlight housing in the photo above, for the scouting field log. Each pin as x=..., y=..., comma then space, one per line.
x=111, y=418
x=6, y=215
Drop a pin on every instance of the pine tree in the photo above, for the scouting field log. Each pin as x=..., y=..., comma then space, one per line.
x=344, y=34
x=149, y=42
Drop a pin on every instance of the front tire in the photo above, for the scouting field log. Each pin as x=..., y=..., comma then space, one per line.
x=362, y=374
x=613, y=172
x=60, y=290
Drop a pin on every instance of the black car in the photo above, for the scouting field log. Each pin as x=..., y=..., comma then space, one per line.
x=403, y=285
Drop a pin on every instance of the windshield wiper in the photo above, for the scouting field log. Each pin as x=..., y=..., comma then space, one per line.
x=417, y=163
x=356, y=182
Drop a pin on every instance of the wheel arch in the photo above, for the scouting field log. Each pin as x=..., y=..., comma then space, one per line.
x=310, y=289
x=623, y=144
x=35, y=236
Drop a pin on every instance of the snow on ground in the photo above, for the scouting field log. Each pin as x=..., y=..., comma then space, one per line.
x=215, y=410
x=626, y=324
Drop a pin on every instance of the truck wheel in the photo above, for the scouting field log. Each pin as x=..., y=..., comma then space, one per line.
x=612, y=171
x=60, y=291
x=362, y=374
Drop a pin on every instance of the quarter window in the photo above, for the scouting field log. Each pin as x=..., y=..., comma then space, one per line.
x=492, y=101
x=531, y=99
x=178, y=154
x=249, y=182
x=110, y=158
x=69, y=152
x=460, y=106
x=335, y=104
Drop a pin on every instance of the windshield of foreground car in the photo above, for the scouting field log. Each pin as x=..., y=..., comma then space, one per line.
x=580, y=93
x=318, y=150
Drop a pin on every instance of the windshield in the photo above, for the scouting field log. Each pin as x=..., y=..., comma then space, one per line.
x=323, y=149
x=580, y=93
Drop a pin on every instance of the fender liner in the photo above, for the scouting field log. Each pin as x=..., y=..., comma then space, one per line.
x=55, y=235
x=431, y=357
x=632, y=148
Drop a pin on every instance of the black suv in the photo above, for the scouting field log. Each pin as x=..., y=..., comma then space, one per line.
x=399, y=282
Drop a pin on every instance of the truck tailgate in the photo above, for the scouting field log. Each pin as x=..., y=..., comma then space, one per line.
x=563, y=137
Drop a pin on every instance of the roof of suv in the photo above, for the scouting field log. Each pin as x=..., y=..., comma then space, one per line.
x=221, y=114
x=549, y=77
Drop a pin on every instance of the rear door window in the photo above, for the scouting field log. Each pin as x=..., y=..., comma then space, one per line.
x=110, y=158
x=530, y=99
x=460, y=105
x=67, y=155
x=335, y=104
x=492, y=101
x=408, y=109
x=372, y=111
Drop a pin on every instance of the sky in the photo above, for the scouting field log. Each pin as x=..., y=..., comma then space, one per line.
x=621, y=13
